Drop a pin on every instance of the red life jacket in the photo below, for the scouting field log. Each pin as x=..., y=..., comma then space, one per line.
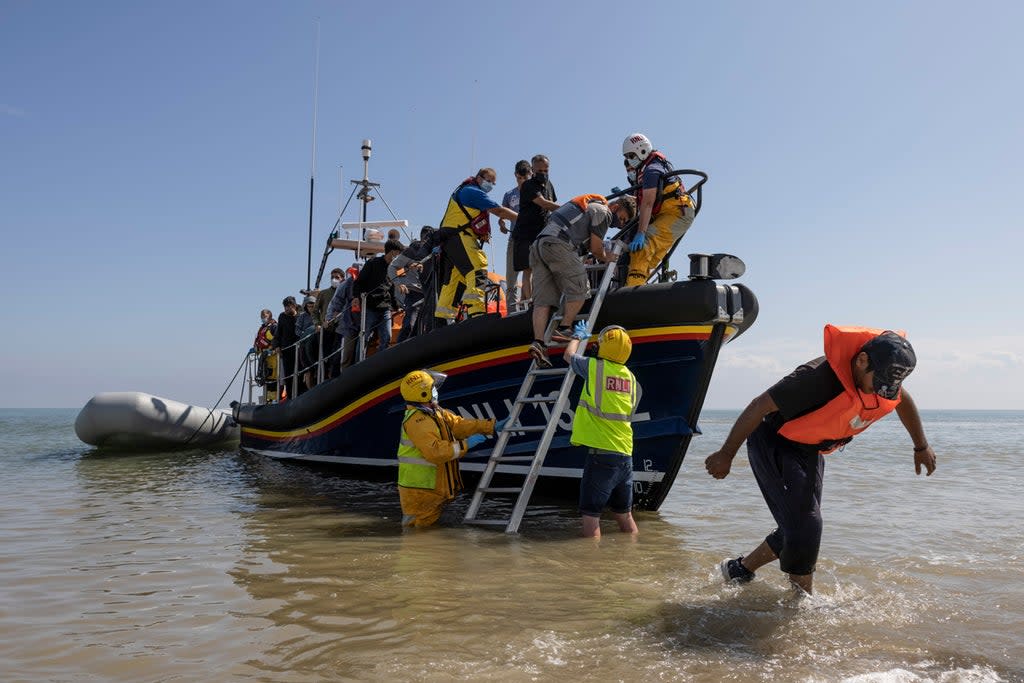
x=666, y=190
x=851, y=412
x=479, y=224
x=264, y=336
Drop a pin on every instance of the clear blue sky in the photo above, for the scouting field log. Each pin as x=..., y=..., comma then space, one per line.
x=865, y=162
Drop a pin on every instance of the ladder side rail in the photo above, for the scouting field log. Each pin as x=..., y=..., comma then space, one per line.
x=499, y=448
x=542, y=450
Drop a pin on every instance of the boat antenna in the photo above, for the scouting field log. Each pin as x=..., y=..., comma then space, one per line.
x=312, y=166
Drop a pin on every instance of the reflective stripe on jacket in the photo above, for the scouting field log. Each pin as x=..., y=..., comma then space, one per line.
x=851, y=412
x=607, y=403
x=413, y=470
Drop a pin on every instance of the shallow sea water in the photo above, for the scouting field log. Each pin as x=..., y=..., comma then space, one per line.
x=223, y=566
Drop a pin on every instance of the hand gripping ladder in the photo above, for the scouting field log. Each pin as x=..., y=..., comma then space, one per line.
x=536, y=461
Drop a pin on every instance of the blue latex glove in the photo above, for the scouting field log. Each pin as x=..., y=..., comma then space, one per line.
x=252, y=349
x=499, y=425
x=639, y=242
x=435, y=250
x=579, y=331
x=474, y=440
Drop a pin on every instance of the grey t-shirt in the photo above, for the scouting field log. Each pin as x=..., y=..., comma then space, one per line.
x=594, y=221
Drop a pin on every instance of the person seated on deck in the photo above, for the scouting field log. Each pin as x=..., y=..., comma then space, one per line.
x=465, y=228
x=558, y=269
x=431, y=441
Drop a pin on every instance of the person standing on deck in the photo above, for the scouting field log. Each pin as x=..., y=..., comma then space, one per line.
x=602, y=423
x=665, y=210
x=430, y=444
x=465, y=228
x=510, y=201
x=537, y=199
x=814, y=411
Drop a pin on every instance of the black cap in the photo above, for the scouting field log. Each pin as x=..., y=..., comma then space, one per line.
x=892, y=358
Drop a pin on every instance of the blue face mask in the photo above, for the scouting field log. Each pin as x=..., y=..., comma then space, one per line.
x=486, y=185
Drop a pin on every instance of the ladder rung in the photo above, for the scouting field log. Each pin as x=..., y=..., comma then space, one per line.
x=542, y=399
x=528, y=428
x=515, y=458
x=502, y=489
x=488, y=522
x=549, y=371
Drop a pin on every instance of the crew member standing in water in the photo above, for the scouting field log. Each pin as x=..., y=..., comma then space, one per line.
x=815, y=410
x=431, y=442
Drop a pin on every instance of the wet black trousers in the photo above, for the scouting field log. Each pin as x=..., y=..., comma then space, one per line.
x=790, y=479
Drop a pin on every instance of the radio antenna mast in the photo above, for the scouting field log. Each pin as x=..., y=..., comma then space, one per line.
x=312, y=165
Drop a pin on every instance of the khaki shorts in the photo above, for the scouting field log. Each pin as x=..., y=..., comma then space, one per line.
x=557, y=270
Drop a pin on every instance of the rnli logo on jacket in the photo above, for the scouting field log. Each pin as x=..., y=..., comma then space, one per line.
x=621, y=384
x=858, y=423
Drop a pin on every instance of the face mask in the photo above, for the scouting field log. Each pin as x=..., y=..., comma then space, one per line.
x=433, y=394
x=631, y=177
x=486, y=185
x=263, y=320
x=335, y=281
x=633, y=162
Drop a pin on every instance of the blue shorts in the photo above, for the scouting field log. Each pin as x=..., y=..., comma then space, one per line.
x=607, y=482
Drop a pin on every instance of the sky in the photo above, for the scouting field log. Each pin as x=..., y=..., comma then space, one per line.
x=865, y=161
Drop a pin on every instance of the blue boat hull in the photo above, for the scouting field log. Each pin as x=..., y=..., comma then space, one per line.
x=352, y=423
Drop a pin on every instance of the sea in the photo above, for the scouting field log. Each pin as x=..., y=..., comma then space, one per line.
x=221, y=565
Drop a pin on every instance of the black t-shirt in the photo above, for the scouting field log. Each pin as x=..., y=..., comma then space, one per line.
x=532, y=217
x=807, y=388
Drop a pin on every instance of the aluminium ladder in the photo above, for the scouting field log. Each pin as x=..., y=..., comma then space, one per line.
x=559, y=403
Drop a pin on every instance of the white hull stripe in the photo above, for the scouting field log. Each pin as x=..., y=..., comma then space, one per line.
x=568, y=472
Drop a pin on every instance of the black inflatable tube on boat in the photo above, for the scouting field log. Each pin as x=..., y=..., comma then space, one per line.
x=671, y=303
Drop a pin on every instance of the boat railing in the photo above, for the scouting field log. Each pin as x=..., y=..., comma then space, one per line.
x=270, y=375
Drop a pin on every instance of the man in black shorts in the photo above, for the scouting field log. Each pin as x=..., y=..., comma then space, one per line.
x=537, y=199
x=816, y=410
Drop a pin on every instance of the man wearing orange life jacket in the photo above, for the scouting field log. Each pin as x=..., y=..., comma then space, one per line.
x=665, y=210
x=814, y=411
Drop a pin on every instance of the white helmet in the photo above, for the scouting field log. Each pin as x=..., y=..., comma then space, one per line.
x=637, y=144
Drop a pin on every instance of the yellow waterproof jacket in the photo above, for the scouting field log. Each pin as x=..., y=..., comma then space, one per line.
x=440, y=440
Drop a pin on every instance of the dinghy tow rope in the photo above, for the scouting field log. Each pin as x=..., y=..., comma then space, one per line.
x=244, y=361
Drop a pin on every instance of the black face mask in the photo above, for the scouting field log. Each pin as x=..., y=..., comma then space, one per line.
x=541, y=177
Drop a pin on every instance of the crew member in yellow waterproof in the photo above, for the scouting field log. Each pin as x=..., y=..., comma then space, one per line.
x=431, y=442
x=465, y=228
x=602, y=423
x=665, y=210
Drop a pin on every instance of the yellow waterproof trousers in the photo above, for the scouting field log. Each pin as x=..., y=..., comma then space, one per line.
x=466, y=280
x=671, y=222
x=421, y=507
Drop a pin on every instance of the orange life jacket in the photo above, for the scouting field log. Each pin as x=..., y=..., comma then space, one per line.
x=584, y=199
x=836, y=423
x=498, y=304
x=670, y=189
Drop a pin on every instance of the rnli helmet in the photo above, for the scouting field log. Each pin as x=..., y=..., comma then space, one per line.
x=614, y=344
x=420, y=386
x=637, y=145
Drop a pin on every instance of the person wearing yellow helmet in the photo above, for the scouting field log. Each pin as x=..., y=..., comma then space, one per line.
x=431, y=442
x=607, y=403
